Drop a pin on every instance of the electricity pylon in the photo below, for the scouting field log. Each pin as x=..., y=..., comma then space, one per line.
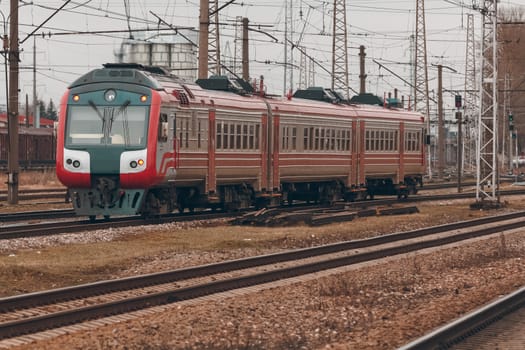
x=487, y=175
x=340, y=49
x=421, y=103
x=470, y=98
x=214, y=48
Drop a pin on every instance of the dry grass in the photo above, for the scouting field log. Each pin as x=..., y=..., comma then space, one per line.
x=150, y=248
x=35, y=179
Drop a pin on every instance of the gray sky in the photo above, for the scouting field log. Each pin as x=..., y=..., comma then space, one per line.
x=383, y=27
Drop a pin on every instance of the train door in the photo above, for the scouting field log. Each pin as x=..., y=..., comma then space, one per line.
x=166, y=144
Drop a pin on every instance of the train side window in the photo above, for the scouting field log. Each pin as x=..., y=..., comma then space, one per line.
x=305, y=139
x=187, y=133
x=238, y=136
x=257, y=131
x=162, y=134
x=283, y=138
x=219, y=135
x=199, y=131
x=231, y=145
x=244, y=136
x=347, y=140
x=294, y=139
x=251, y=137
x=225, y=129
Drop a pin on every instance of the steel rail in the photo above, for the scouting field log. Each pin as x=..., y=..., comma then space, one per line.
x=470, y=324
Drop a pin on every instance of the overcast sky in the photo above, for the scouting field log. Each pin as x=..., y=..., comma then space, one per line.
x=382, y=26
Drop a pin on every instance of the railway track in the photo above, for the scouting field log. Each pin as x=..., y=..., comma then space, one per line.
x=36, y=312
x=50, y=228
x=37, y=215
x=460, y=333
x=35, y=194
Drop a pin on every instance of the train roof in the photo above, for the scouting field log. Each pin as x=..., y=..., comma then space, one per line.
x=124, y=73
x=222, y=92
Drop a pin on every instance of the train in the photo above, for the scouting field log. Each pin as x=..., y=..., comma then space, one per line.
x=36, y=147
x=136, y=140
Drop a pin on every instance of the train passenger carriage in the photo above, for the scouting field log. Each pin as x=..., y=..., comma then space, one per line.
x=136, y=140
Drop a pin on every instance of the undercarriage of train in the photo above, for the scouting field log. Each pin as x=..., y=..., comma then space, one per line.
x=243, y=196
x=107, y=199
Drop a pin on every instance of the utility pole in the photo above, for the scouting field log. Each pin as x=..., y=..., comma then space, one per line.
x=237, y=56
x=245, y=51
x=362, y=74
x=441, y=121
x=441, y=130
x=288, y=48
x=204, y=23
x=12, y=118
x=421, y=102
x=460, y=149
x=340, y=49
x=36, y=120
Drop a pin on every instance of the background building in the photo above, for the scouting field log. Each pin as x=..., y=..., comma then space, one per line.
x=175, y=52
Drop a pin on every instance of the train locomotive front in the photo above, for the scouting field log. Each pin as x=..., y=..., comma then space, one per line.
x=112, y=146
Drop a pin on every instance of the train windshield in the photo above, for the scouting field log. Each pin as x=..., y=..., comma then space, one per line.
x=107, y=125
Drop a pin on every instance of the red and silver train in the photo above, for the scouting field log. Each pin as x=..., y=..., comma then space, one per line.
x=133, y=139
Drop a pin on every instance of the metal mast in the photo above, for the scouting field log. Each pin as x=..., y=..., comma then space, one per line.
x=214, y=50
x=288, y=47
x=421, y=103
x=204, y=23
x=470, y=98
x=237, y=48
x=340, y=49
x=486, y=150
x=13, y=167
x=303, y=70
x=311, y=72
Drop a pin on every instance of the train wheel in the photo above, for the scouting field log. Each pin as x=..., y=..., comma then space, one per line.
x=106, y=217
x=92, y=218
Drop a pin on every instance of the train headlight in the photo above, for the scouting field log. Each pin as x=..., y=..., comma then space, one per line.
x=110, y=95
x=76, y=163
x=143, y=98
x=133, y=164
x=141, y=162
x=69, y=161
x=76, y=98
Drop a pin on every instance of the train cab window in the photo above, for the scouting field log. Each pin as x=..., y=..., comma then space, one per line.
x=162, y=134
x=106, y=126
